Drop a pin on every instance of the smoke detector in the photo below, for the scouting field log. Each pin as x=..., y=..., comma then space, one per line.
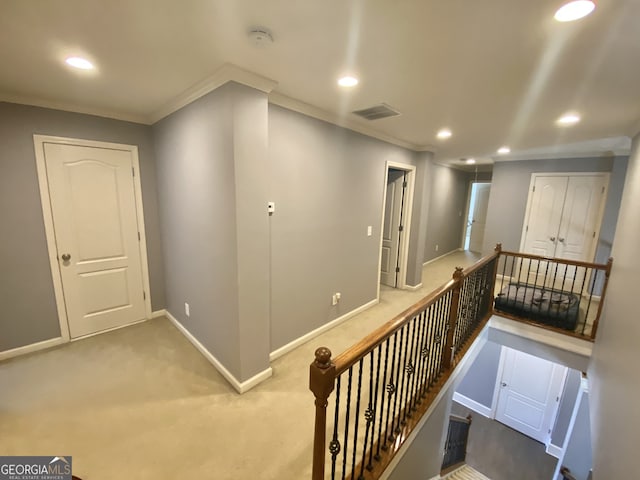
x=260, y=36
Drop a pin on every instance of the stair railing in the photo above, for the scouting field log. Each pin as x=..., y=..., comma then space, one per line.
x=455, y=449
x=386, y=382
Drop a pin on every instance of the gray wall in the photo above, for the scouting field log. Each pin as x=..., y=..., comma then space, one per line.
x=26, y=290
x=578, y=455
x=449, y=191
x=212, y=164
x=613, y=371
x=510, y=191
x=327, y=183
x=565, y=409
x=480, y=381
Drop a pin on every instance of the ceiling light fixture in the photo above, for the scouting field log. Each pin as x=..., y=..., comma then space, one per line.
x=568, y=119
x=348, y=81
x=261, y=36
x=79, y=62
x=444, y=133
x=574, y=10
x=504, y=150
x=470, y=161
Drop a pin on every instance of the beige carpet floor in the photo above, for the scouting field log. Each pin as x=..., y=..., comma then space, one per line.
x=142, y=403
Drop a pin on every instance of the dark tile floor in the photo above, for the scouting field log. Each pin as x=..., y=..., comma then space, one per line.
x=501, y=453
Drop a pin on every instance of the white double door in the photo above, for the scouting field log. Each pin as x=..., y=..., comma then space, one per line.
x=564, y=215
x=92, y=198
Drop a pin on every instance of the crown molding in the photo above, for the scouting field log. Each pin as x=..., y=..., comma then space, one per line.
x=71, y=107
x=289, y=103
x=226, y=73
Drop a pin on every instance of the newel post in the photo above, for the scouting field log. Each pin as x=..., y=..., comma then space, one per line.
x=322, y=374
x=453, y=318
x=607, y=274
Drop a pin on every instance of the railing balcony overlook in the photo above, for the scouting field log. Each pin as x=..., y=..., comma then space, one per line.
x=369, y=398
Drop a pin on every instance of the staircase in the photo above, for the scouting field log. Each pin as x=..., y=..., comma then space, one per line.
x=465, y=473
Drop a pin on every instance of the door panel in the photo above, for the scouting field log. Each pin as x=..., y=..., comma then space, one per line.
x=391, y=230
x=479, y=216
x=94, y=215
x=529, y=391
x=544, y=215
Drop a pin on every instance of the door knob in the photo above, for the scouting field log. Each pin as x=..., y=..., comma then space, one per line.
x=503, y=384
x=553, y=239
x=561, y=239
x=66, y=257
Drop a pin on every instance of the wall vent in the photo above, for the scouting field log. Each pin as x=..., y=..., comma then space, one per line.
x=377, y=112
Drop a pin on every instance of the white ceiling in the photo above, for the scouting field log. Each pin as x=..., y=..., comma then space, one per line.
x=494, y=71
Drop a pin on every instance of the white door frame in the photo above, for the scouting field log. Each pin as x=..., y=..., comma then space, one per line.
x=603, y=205
x=39, y=141
x=406, y=215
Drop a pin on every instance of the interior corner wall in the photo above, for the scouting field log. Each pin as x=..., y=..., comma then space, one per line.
x=480, y=381
x=613, y=388
x=327, y=184
x=510, y=191
x=29, y=313
x=449, y=190
x=196, y=180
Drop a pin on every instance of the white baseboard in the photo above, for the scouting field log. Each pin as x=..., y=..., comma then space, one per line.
x=441, y=257
x=554, y=450
x=413, y=288
x=159, y=313
x=318, y=331
x=33, y=347
x=241, y=387
x=473, y=405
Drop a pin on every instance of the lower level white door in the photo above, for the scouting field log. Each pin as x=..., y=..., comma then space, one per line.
x=93, y=205
x=530, y=389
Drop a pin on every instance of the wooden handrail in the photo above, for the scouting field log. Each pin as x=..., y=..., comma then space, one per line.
x=566, y=473
x=350, y=356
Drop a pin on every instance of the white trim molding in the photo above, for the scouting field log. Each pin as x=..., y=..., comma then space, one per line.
x=473, y=405
x=318, y=331
x=240, y=387
x=33, y=347
x=554, y=450
x=442, y=256
x=413, y=288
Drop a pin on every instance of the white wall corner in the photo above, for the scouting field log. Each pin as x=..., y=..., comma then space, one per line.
x=240, y=387
x=473, y=405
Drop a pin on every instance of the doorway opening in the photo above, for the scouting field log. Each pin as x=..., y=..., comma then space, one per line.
x=476, y=218
x=396, y=224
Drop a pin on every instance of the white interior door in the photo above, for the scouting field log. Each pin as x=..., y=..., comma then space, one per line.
x=545, y=213
x=529, y=393
x=580, y=217
x=479, y=216
x=93, y=206
x=391, y=229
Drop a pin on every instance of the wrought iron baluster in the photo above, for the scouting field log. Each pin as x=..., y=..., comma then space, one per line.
x=427, y=349
x=391, y=390
x=398, y=385
x=419, y=362
x=375, y=408
x=369, y=416
x=356, y=434
x=383, y=391
x=334, y=445
x=346, y=424
x=594, y=273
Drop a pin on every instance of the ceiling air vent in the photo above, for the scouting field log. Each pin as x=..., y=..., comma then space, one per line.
x=377, y=112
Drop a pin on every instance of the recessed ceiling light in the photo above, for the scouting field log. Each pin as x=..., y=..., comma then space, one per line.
x=444, y=133
x=574, y=10
x=470, y=161
x=504, y=150
x=568, y=119
x=348, y=81
x=79, y=62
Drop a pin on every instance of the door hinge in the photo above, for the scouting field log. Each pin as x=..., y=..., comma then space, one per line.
x=138, y=236
x=594, y=234
x=526, y=228
x=400, y=228
x=549, y=431
x=404, y=184
x=397, y=269
x=534, y=188
x=557, y=399
x=602, y=190
x=144, y=295
x=133, y=171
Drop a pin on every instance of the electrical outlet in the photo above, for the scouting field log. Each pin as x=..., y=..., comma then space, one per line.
x=335, y=298
x=436, y=247
x=186, y=309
